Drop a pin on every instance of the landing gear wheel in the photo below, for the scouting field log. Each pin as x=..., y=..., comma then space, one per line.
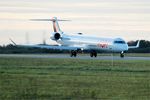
x=93, y=54
x=73, y=53
x=122, y=54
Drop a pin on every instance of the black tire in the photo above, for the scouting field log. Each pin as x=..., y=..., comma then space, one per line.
x=95, y=54
x=73, y=54
x=91, y=54
x=122, y=55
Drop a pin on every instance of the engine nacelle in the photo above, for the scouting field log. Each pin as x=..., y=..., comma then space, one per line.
x=56, y=36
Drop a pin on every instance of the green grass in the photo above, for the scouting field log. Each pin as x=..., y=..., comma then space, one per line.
x=73, y=79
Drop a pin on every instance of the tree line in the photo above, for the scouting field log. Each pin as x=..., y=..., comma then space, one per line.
x=144, y=47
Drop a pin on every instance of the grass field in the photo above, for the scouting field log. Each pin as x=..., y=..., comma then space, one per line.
x=73, y=79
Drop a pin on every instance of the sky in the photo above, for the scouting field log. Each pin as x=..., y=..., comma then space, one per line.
x=128, y=19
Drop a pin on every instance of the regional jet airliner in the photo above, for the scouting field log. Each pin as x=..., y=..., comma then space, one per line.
x=81, y=42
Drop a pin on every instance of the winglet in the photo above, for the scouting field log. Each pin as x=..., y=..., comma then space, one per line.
x=12, y=41
x=137, y=46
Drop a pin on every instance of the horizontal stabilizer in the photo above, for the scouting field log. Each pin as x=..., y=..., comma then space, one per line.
x=52, y=19
x=55, y=23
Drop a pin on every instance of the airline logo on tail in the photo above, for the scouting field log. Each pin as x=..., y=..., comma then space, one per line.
x=55, y=25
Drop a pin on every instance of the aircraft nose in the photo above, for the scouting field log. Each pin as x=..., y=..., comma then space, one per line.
x=124, y=47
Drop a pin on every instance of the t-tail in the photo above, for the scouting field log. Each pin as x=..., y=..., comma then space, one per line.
x=55, y=21
x=57, y=34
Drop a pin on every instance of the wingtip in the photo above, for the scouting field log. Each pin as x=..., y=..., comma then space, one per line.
x=138, y=44
x=12, y=41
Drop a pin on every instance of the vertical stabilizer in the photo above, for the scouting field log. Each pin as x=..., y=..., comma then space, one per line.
x=55, y=25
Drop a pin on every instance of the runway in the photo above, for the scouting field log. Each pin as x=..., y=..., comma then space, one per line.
x=66, y=56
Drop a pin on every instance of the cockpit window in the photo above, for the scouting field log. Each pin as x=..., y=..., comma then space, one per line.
x=119, y=42
x=80, y=33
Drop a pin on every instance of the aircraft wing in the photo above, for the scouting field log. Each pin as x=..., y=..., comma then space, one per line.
x=55, y=47
x=46, y=46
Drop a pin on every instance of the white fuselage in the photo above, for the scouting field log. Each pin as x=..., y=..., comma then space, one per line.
x=93, y=43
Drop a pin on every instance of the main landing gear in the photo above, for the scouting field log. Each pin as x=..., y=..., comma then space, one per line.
x=73, y=53
x=122, y=54
x=93, y=53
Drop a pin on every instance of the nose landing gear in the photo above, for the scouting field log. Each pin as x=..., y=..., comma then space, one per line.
x=122, y=54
